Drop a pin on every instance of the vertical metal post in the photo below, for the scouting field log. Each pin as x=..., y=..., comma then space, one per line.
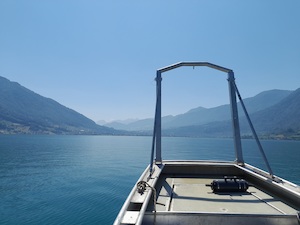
x=235, y=119
x=158, y=117
x=153, y=147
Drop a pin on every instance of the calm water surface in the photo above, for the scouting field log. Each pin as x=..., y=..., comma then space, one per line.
x=86, y=179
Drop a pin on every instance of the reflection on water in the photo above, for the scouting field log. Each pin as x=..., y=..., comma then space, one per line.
x=85, y=179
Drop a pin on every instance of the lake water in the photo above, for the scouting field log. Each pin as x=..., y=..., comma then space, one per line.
x=86, y=179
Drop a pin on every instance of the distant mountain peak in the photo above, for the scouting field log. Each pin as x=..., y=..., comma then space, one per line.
x=198, y=109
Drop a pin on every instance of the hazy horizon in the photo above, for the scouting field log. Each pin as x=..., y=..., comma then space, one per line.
x=100, y=57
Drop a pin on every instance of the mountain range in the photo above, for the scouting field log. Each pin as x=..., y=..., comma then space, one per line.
x=26, y=112
x=274, y=112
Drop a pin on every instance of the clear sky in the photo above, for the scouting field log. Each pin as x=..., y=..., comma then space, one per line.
x=99, y=57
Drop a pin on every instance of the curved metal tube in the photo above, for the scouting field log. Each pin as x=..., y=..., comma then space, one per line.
x=234, y=112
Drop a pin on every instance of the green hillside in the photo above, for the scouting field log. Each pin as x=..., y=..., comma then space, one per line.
x=281, y=120
x=23, y=111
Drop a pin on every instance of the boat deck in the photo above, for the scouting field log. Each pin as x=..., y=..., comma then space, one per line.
x=185, y=192
x=184, y=196
x=191, y=194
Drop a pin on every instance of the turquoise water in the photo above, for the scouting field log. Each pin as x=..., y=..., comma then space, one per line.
x=86, y=179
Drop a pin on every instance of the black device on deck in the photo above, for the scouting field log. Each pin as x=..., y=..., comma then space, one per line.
x=229, y=184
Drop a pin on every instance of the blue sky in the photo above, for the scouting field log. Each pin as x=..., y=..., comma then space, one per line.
x=100, y=57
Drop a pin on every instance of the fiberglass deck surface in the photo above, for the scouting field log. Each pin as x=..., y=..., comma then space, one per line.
x=192, y=195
